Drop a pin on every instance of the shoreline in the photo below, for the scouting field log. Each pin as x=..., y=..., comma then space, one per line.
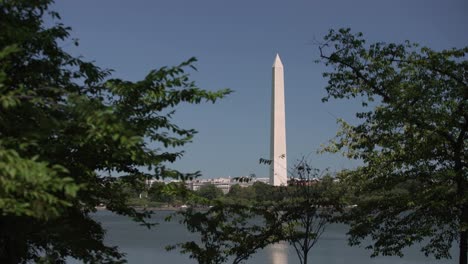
x=169, y=208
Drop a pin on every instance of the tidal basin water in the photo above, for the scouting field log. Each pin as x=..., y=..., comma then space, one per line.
x=148, y=246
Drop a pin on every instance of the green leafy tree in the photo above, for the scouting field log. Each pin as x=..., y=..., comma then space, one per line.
x=308, y=206
x=209, y=192
x=180, y=194
x=173, y=194
x=239, y=194
x=158, y=193
x=263, y=192
x=229, y=233
x=234, y=191
x=65, y=127
x=232, y=231
x=411, y=138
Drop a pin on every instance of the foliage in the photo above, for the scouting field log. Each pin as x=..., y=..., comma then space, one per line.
x=158, y=192
x=241, y=195
x=66, y=126
x=229, y=233
x=412, y=140
x=263, y=192
x=210, y=192
x=29, y=187
x=242, y=223
x=311, y=202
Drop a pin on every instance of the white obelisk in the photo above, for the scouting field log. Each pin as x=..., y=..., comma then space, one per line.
x=279, y=165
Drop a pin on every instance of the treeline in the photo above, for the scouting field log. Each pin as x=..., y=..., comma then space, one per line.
x=175, y=194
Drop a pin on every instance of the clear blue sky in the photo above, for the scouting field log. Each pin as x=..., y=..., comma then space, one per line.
x=235, y=43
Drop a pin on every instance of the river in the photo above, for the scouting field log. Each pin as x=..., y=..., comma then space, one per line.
x=144, y=246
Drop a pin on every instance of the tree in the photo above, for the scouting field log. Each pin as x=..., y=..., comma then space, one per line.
x=209, y=192
x=412, y=140
x=180, y=194
x=263, y=191
x=229, y=232
x=158, y=193
x=66, y=127
x=308, y=206
x=232, y=231
x=243, y=195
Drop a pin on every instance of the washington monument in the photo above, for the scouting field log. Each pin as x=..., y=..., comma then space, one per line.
x=279, y=165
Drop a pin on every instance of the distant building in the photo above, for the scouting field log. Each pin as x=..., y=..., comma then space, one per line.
x=222, y=183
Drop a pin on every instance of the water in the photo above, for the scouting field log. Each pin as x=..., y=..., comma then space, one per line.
x=144, y=246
